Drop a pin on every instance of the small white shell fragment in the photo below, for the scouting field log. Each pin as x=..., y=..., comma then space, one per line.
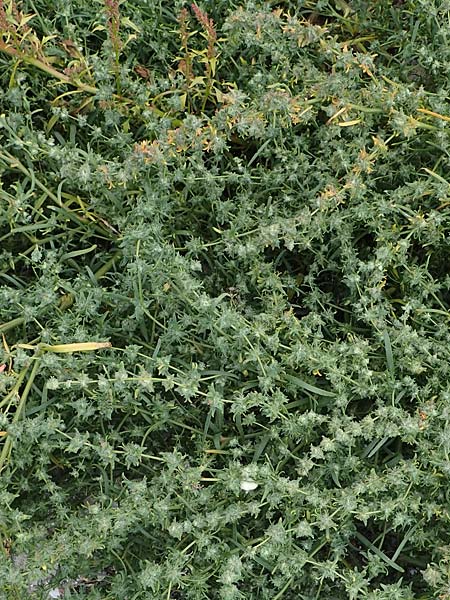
x=55, y=593
x=248, y=486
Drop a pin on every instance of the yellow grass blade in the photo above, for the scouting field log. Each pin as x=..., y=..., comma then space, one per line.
x=435, y=175
x=431, y=113
x=77, y=347
x=349, y=123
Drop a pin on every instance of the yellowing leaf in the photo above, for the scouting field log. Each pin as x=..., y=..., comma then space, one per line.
x=127, y=22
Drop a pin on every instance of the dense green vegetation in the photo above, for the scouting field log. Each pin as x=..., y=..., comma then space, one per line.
x=224, y=299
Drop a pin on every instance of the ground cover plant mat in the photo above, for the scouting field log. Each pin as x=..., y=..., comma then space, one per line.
x=224, y=299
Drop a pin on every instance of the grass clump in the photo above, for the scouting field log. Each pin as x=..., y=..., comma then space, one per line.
x=224, y=300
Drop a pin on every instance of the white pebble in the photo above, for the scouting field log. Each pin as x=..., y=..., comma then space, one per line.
x=248, y=486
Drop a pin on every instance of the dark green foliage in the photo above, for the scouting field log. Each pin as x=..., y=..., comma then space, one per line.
x=255, y=212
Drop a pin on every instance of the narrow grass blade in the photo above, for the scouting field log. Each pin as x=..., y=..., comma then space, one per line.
x=403, y=542
x=389, y=355
x=377, y=446
x=260, y=448
x=378, y=552
x=6, y=451
x=76, y=253
x=4, y=327
x=310, y=388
